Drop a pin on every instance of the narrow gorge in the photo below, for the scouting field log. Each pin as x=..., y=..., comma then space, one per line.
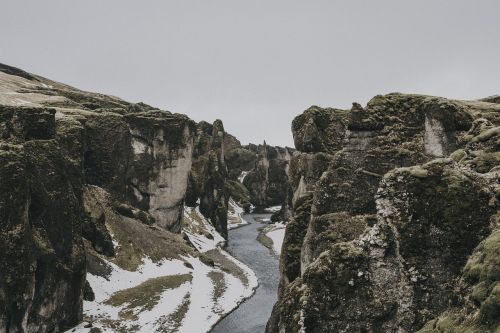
x=121, y=217
x=115, y=215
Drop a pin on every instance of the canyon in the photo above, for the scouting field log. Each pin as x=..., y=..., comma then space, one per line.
x=108, y=207
x=114, y=216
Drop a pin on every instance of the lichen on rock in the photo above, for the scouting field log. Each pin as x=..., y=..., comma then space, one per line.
x=391, y=229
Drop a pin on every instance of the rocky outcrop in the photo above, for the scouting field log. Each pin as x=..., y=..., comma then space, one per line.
x=223, y=169
x=209, y=175
x=267, y=182
x=305, y=169
x=56, y=141
x=41, y=250
x=142, y=158
x=385, y=238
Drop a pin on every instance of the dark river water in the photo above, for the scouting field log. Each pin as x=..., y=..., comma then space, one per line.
x=252, y=315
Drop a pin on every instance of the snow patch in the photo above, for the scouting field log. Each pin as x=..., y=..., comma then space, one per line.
x=276, y=232
x=242, y=176
x=273, y=209
x=191, y=307
x=234, y=217
x=198, y=228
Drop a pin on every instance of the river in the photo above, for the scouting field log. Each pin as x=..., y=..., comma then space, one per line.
x=252, y=315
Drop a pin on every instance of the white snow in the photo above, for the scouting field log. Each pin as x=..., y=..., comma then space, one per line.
x=203, y=310
x=122, y=279
x=235, y=215
x=203, y=307
x=276, y=232
x=242, y=176
x=273, y=209
x=200, y=240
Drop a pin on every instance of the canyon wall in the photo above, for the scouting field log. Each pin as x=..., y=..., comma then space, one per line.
x=53, y=145
x=89, y=179
x=79, y=169
x=268, y=182
x=42, y=256
x=395, y=219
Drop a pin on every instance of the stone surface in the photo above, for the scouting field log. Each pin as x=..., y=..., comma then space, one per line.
x=60, y=149
x=42, y=255
x=385, y=240
x=267, y=182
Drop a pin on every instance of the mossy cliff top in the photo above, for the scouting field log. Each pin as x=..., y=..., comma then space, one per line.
x=56, y=141
x=394, y=118
x=319, y=129
x=400, y=234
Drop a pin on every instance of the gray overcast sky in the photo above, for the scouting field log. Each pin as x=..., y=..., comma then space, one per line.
x=257, y=64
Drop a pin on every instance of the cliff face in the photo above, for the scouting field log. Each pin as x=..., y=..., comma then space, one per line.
x=267, y=182
x=62, y=149
x=223, y=169
x=41, y=249
x=389, y=203
x=143, y=158
x=210, y=173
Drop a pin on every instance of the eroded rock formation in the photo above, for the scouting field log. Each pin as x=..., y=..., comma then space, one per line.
x=390, y=203
x=42, y=259
x=73, y=165
x=267, y=181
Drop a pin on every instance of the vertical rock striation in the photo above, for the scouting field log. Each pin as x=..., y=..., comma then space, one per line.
x=209, y=174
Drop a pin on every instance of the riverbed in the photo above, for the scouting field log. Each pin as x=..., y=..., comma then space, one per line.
x=252, y=315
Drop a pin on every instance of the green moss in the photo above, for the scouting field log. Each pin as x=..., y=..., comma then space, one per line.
x=174, y=320
x=451, y=322
x=484, y=264
x=238, y=160
x=206, y=260
x=135, y=239
x=457, y=155
x=480, y=292
x=445, y=324
x=219, y=284
x=237, y=191
x=42, y=242
x=129, y=211
x=266, y=241
x=146, y=295
x=485, y=161
x=486, y=135
x=490, y=308
x=333, y=228
x=227, y=265
x=320, y=129
x=294, y=236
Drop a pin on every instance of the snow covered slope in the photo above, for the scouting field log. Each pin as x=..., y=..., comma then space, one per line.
x=234, y=215
x=275, y=233
x=188, y=291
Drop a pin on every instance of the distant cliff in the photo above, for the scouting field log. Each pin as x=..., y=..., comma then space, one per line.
x=395, y=217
